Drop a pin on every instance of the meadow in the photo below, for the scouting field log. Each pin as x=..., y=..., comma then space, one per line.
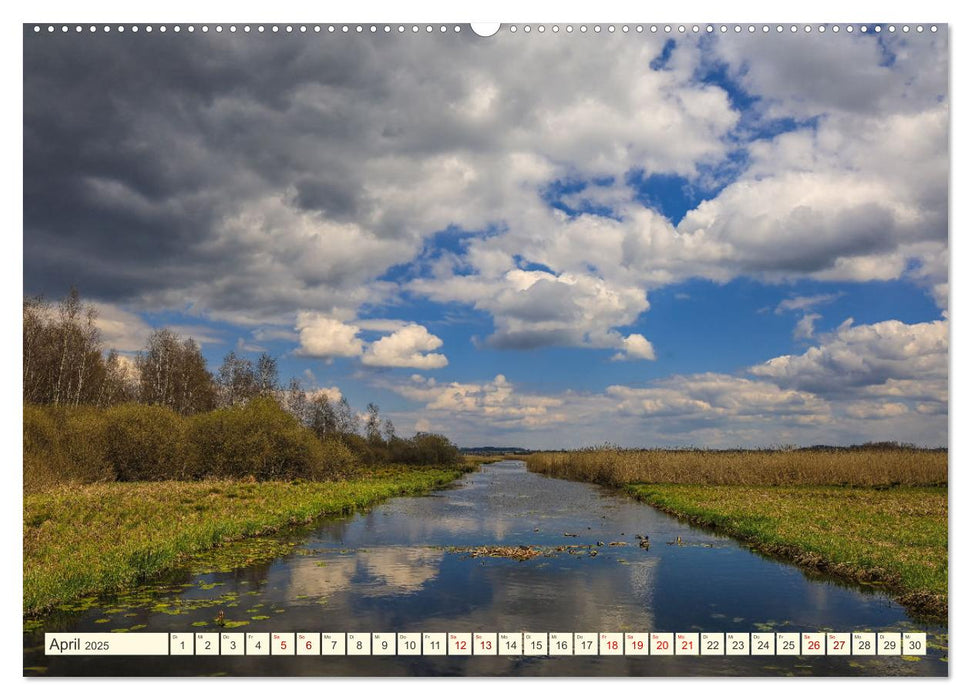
x=83, y=539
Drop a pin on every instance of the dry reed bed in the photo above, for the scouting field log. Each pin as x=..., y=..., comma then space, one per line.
x=876, y=466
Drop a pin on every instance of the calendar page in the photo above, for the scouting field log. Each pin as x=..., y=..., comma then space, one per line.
x=607, y=349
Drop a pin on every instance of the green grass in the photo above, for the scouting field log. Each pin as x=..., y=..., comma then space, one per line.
x=892, y=537
x=86, y=539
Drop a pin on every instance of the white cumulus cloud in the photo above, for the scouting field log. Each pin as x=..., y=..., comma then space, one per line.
x=410, y=346
x=890, y=358
x=321, y=336
x=636, y=347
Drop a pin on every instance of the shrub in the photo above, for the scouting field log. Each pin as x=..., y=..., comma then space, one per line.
x=42, y=461
x=82, y=444
x=145, y=443
x=258, y=440
x=335, y=460
x=64, y=445
x=424, y=448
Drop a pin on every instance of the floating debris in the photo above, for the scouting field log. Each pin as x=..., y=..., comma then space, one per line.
x=570, y=534
x=519, y=553
x=616, y=544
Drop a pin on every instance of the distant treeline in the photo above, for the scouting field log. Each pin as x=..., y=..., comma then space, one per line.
x=490, y=450
x=885, y=446
x=93, y=415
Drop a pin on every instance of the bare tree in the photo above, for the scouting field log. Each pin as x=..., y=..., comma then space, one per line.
x=346, y=421
x=155, y=368
x=295, y=400
x=195, y=386
x=36, y=311
x=321, y=416
x=267, y=375
x=62, y=362
x=88, y=364
x=372, y=426
x=237, y=380
x=120, y=382
x=389, y=431
x=172, y=372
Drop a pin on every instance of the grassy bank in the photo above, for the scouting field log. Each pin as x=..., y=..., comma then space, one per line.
x=85, y=539
x=895, y=538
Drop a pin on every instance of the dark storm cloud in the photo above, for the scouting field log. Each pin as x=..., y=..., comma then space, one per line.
x=328, y=194
x=137, y=148
x=255, y=175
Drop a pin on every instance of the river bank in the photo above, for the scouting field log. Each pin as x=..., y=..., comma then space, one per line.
x=873, y=514
x=892, y=538
x=94, y=538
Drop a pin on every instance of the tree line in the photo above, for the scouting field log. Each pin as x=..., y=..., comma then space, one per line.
x=65, y=364
x=66, y=367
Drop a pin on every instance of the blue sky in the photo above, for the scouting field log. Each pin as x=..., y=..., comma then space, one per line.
x=544, y=241
x=741, y=318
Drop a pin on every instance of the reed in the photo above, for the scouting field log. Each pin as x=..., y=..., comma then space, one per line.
x=876, y=465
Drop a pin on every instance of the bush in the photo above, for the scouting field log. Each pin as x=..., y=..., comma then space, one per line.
x=424, y=448
x=42, y=461
x=145, y=443
x=336, y=460
x=64, y=445
x=83, y=440
x=258, y=440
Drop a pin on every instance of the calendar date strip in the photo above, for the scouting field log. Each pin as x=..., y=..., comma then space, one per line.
x=486, y=644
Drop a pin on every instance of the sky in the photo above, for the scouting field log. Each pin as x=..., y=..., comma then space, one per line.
x=541, y=240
